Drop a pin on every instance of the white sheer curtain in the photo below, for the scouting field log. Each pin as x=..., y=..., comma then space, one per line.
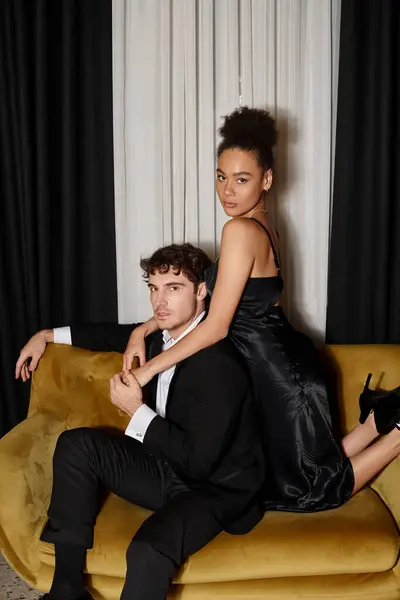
x=179, y=66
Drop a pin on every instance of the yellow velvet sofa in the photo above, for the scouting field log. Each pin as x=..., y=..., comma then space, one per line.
x=350, y=552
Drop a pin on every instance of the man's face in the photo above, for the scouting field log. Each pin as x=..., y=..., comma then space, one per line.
x=175, y=301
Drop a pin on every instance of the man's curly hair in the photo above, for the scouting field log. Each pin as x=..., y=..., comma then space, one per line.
x=181, y=258
x=251, y=129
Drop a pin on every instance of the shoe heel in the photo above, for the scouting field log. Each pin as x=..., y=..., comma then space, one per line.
x=366, y=386
x=366, y=401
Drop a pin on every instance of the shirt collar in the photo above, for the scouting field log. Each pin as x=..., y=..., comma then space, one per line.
x=168, y=340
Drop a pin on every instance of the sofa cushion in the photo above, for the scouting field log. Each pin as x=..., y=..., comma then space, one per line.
x=359, y=537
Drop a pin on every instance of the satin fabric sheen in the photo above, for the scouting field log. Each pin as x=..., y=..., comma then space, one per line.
x=306, y=468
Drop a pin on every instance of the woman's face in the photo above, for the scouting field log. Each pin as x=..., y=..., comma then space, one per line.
x=240, y=181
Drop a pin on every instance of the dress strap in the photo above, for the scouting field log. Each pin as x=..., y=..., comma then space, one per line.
x=276, y=256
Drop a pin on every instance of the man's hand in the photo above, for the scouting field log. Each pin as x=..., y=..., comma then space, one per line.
x=126, y=393
x=33, y=350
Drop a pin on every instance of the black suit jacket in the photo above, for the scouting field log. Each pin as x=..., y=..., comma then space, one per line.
x=210, y=434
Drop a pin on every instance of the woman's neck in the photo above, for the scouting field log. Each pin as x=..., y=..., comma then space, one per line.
x=259, y=207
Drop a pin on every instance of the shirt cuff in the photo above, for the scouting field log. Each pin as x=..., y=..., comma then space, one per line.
x=62, y=335
x=139, y=422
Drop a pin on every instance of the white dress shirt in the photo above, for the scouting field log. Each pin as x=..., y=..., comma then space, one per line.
x=62, y=335
x=144, y=415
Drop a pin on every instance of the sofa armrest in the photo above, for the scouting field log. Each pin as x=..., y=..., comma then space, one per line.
x=26, y=454
x=69, y=389
x=75, y=384
x=387, y=486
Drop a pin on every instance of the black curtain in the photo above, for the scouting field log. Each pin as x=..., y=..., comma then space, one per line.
x=57, y=242
x=364, y=273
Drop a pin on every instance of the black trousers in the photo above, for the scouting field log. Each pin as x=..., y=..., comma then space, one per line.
x=87, y=463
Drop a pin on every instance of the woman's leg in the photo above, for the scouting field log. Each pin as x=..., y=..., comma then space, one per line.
x=361, y=437
x=370, y=461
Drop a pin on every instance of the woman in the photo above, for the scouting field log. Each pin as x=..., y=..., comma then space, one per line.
x=308, y=470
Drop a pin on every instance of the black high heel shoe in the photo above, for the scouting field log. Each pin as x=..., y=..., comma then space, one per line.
x=387, y=412
x=384, y=405
x=367, y=400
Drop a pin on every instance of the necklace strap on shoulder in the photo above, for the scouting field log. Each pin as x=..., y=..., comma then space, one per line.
x=253, y=212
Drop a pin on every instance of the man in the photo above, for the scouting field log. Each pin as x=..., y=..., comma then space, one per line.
x=191, y=454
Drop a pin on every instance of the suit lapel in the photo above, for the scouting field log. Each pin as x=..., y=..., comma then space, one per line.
x=171, y=389
x=154, y=344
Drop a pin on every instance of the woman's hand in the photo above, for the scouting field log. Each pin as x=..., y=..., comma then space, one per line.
x=136, y=345
x=135, y=348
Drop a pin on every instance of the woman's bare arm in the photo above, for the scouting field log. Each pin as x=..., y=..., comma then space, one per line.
x=236, y=262
x=150, y=326
x=136, y=344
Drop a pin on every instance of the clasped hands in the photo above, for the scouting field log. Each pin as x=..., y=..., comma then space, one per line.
x=126, y=389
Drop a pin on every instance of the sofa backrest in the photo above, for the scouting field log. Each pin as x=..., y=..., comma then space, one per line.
x=74, y=383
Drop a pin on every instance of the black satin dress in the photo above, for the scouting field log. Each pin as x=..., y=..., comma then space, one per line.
x=307, y=470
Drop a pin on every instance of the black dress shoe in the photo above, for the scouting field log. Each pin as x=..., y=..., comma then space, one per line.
x=48, y=596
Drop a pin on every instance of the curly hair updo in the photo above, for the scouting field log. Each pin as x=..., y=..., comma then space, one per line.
x=251, y=129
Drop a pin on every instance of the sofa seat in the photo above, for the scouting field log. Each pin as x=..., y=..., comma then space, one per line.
x=359, y=537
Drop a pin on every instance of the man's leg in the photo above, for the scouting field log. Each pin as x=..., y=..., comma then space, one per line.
x=86, y=463
x=181, y=527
